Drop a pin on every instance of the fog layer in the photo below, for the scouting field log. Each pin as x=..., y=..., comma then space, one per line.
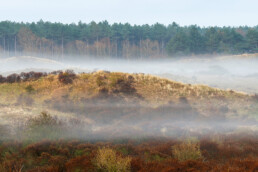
x=120, y=112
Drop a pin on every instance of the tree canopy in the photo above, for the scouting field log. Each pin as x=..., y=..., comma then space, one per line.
x=124, y=40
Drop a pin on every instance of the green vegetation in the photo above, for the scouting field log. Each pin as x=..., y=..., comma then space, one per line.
x=124, y=40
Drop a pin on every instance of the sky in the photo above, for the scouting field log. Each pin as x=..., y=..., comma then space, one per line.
x=184, y=12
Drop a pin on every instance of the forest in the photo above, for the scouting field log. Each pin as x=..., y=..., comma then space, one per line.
x=123, y=40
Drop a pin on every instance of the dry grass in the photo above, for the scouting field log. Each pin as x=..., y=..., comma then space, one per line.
x=143, y=83
x=152, y=90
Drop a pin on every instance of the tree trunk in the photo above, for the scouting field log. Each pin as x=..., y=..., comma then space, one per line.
x=8, y=49
x=15, y=45
x=116, y=49
x=87, y=48
x=109, y=47
x=40, y=47
x=140, y=48
x=52, y=48
x=162, y=46
x=97, y=46
x=4, y=45
x=62, y=47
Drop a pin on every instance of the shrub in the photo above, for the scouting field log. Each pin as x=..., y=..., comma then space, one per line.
x=29, y=89
x=43, y=119
x=31, y=75
x=85, y=76
x=22, y=77
x=108, y=160
x=188, y=150
x=115, y=80
x=57, y=72
x=100, y=81
x=44, y=126
x=66, y=77
x=2, y=79
x=13, y=78
x=120, y=83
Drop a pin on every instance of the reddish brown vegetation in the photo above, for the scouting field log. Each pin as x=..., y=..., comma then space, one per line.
x=31, y=75
x=2, y=79
x=66, y=77
x=227, y=154
x=13, y=78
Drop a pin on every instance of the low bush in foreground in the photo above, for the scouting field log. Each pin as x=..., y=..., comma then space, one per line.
x=108, y=160
x=188, y=150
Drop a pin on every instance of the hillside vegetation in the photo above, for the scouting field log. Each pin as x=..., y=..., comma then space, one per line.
x=143, y=87
x=121, y=88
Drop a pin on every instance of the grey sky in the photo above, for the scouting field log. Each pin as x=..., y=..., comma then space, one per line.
x=184, y=12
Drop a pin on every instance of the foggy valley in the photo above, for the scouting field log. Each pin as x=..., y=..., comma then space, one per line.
x=137, y=86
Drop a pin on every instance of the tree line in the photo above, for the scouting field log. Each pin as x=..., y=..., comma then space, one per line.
x=123, y=40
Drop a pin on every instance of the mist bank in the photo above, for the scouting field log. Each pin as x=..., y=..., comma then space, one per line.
x=134, y=124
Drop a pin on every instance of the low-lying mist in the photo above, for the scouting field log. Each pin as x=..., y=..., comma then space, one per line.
x=107, y=118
